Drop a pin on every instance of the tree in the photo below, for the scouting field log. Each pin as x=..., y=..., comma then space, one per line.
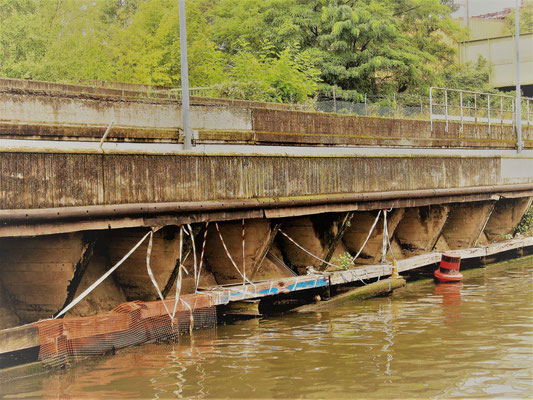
x=147, y=50
x=276, y=50
x=288, y=76
x=360, y=46
x=467, y=77
x=526, y=19
x=21, y=44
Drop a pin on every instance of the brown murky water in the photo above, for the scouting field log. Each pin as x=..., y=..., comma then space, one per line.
x=472, y=340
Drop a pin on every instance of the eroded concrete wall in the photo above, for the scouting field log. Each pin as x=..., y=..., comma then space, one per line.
x=465, y=225
x=8, y=313
x=420, y=228
x=105, y=296
x=361, y=224
x=312, y=233
x=506, y=215
x=257, y=232
x=269, y=270
x=35, y=273
x=132, y=276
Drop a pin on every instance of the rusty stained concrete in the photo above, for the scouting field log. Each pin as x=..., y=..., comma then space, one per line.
x=35, y=272
x=257, y=232
x=316, y=234
x=337, y=129
x=506, y=215
x=71, y=112
x=356, y=234
x=31, y=180
x=465, y=224
x=419, y=229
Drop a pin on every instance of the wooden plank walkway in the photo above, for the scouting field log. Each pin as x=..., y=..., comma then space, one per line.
x=237, y=292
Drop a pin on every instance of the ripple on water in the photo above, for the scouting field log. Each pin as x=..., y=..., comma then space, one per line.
x=430, y=341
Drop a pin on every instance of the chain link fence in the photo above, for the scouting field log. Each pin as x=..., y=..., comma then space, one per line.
x=376, y=109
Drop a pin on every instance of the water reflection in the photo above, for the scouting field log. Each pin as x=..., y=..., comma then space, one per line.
x=452, y=340
x=451, y=300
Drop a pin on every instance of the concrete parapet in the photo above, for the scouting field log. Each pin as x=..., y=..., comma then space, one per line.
x=43, y=110
x=341, y=129
x=83, y=113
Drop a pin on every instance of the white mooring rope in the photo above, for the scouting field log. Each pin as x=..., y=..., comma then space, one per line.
x=368, y=237
x=197, y=283
x=245, y=279
x=149, y=269
x=102, y=278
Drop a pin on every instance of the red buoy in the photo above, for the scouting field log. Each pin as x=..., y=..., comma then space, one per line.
x=448, y=270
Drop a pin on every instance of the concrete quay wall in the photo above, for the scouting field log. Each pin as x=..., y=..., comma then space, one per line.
x=31, y=180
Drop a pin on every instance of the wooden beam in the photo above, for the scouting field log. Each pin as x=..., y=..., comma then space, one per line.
x=373, y=289
x=187, y=247
x=265, y=250
x=280, y=264
x=434, y=243
x=484, y=223
x=335, y=242
x=79, y=271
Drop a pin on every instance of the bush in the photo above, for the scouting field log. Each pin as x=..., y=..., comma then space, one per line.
x=526, y=223
x=344, y=260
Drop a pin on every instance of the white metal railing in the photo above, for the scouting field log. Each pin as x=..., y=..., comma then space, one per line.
x=477, y=107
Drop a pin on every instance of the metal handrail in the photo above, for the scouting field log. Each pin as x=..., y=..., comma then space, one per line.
x=477, y=110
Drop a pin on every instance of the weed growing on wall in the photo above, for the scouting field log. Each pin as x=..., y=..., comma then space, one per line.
x=343, y=260
x=525, y=226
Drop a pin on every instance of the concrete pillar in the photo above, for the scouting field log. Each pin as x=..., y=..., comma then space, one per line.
x=105, y=296
x=506, y=215
x=419, y=229
x=315, y=234
x=188, y=284
x=132, y=276
x=8, y=316
x=465, y=225
x=257, y=234
x=355, y=235
x=35, y=273
x=271, y=270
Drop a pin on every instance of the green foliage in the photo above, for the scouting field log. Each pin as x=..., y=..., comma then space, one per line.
x=137, y=41
x=270, y=50
x=147, y=49
x=364, y=46
x=288, y=76
x=343, y=260
x=21, y=44
x=526, y=19
x=467, y=77
x=525, y=226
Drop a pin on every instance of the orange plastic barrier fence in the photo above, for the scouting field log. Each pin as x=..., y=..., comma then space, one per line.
x=128, y=324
